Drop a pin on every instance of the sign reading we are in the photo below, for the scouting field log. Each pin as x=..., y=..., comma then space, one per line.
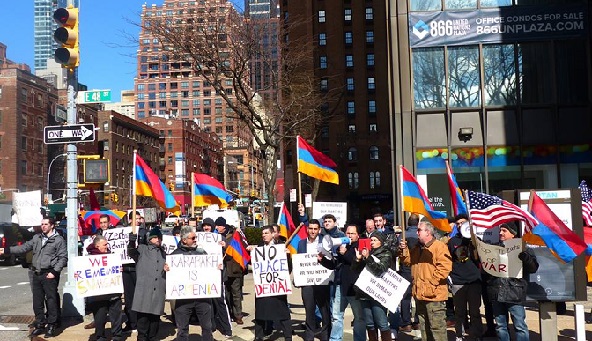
x=98, y=275
x=270, y=271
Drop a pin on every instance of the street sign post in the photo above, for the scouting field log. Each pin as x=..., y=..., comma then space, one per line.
x=95, y=96
x=74, y=133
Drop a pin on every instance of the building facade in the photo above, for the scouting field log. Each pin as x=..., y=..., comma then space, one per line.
x=26, y=103
x=185, y=148
x=118, y=137
x=127, y=105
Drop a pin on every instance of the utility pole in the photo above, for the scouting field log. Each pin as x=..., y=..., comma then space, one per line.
x=68, y=56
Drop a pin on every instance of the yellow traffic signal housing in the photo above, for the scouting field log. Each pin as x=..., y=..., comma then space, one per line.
x=67, y=35
x=115, y=198
x=172, y=186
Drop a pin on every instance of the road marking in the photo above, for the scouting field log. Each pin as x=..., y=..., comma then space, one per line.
x=8, y=328
x=22, y=283
x=5, y=286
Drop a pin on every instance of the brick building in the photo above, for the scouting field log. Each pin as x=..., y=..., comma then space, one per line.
x=185, y=148
x=26, y=102
x=118, y=137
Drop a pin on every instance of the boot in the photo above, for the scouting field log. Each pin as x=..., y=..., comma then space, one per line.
x=372, y=334
x=385, y=335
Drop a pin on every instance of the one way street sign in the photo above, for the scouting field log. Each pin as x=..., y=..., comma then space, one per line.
x=74, y=133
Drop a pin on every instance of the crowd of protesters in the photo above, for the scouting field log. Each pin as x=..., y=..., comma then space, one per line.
x=448, y=287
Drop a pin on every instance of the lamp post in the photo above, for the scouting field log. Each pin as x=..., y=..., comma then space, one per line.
x=49, y=172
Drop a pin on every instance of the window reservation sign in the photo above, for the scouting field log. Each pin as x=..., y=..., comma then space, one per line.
x=497, y=25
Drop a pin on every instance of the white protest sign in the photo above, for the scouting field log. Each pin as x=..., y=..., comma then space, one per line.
x=338, y=209
x=388, y=289
x=501, y=261
x=28, y=207
x=98, y=275
x=193, y=276
x=270, y=271
x=308, y=271
x=293, y=195
x=208, y=241
x=118, y=239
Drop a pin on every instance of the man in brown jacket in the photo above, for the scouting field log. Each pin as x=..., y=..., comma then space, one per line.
x=430, y=263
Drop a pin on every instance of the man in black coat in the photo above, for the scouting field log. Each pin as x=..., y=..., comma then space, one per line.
x=184, y=308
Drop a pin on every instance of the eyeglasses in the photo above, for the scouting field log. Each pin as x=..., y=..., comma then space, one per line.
x=193, y=238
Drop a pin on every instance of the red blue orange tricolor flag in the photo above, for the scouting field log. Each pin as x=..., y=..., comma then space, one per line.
x=208, y=191
x=147, y=184
x=456, y=197
x=237, y=249
x=416, y=201
x=285, y=222
x=314, y=163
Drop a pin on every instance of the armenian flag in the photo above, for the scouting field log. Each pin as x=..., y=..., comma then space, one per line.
x=456, y=197
x=147, y=184
x=298, y=235
x=237, y=249
x=208, y=191
x=557, y=236
x=416, y=201
x=285, y=222
x=314, y=163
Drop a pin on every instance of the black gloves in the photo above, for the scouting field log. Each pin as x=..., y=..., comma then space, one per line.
x=523, y=256
x=133, y=238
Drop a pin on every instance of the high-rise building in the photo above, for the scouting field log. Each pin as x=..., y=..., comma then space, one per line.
x=44, y=24
x=127, y=105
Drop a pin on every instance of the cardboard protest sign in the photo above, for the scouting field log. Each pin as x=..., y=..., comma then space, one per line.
x=501, y=261
x=193, y=276
x=388, y=289
x=205, y=240
x=118, y=239
x=270, y=271
x=307, y=270
x=98, y=275
x=27, y=206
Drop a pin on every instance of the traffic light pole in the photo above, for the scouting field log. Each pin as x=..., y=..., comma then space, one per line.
x=73, y=305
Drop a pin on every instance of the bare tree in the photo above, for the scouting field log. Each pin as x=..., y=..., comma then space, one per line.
x=223, y=47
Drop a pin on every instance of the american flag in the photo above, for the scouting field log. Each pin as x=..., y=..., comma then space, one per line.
x=586, y=202
x=488, y=211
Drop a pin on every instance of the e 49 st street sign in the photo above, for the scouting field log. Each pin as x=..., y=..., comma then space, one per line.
x=73, y=133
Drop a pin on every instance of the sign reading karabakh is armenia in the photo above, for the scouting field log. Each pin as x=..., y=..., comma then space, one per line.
x=98, y=275
x=193, y=276
x=307, y=270
x=270, y=271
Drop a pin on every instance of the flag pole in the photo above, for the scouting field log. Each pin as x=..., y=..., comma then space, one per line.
x=293, y=234
x=192, y=195
x=134, y=230
x=298, y=171
x=403, y=237
x=471, y=227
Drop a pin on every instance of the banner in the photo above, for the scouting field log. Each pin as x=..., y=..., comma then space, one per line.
x=307, y=270
x=506, y=24
x=388, y=289
x=270, y=271
x=97, y=275
x=208, y=241
x=27, y=206
x=193, y=276
x=501, y=261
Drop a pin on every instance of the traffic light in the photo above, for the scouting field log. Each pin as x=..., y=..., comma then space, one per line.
x=115, y=198
x=172, y=186
x=67, y=35
x=112, y=196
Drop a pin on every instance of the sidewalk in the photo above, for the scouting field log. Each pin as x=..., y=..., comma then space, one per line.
x=565, y=323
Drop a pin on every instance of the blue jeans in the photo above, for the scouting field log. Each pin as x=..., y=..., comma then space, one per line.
x=359, y=321
x=375, y=315
x=394, y=319
x=500, y=313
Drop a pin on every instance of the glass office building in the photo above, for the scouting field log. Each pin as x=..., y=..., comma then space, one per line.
x=45, y=45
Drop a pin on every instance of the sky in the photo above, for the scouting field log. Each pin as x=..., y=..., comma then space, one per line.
x=108, y=32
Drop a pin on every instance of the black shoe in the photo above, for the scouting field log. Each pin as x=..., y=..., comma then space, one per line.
x=38, y=331
x=589, y=319
x=489, y=333
x=51, y=331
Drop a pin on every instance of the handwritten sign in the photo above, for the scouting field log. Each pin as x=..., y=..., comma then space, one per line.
x=208, y=241
x=308, y=271
x=270, y=271
x=388, y=289
x=501, y=261
x=118, y=239
x=338, y=209
x=193, y=276
x=28, y=207
x=98, y=275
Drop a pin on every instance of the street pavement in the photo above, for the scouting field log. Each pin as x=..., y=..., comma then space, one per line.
x=74, y=329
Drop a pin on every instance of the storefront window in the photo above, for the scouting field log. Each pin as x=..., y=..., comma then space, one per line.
x=535, y=69
x=500, y=74
x=429, y=78
x=463, y=77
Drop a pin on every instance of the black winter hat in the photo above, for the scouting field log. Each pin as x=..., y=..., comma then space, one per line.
x=380, y=236
x=220, y=222
x=208, y=221
x=510, y=227
x=155, y=232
